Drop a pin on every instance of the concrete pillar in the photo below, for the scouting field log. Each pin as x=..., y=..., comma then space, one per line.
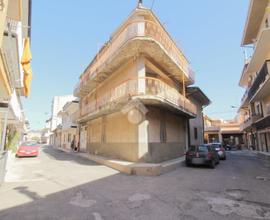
x=141, y=74
x=143, y=139
x=220, y=137
x=4, y=131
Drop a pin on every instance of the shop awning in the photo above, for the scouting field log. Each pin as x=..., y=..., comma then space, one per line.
x=25, y=61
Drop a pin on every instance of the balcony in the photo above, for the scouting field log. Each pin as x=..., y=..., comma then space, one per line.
x=149, y=91
x=140, y=36
x=260, y=54
x=248, y=123
x=244, y=99
x=10, y=51
x=261, y=85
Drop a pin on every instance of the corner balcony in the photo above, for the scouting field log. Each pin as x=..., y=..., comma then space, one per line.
x=248, y=123
x=261, y=85
x=136, y=37
x=260, y=54
x=149, y=91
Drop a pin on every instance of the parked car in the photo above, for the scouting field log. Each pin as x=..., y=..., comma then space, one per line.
x=220, y=150
x=28, y=149
x=202, y=155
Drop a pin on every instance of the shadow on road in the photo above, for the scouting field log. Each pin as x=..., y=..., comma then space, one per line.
x=63, y=156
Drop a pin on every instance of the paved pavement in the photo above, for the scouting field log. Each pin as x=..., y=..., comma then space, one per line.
x=57, y=185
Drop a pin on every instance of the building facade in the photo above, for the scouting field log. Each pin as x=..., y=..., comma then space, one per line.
x=69, y=128
x=255, y=104
x=134, y=103
x=15, y=29
x=227, y=132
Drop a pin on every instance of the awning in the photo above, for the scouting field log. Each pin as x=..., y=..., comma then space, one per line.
x=25, y=61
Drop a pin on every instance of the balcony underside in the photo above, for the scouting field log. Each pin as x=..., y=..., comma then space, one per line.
x=263, y=91
x=260, y=54
x=132, y=48
x=263, y=123
x=146, y=100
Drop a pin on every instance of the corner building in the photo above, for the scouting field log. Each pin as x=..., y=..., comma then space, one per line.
x=134, y=102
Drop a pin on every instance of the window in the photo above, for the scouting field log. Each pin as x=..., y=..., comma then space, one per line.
x=195, y=133
x=69, y=138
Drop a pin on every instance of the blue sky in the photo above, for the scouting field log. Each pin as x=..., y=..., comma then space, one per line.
x=66, y=35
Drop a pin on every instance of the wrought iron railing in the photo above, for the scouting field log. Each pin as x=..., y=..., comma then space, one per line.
x=261, y=77
x=138, y=28
x=151, y=88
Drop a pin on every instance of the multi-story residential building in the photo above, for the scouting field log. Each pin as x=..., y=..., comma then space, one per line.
x=134, y=101
x=15, y=29
x=69, y=127
x=255, y=105
x=58, y=103
x=223, y=131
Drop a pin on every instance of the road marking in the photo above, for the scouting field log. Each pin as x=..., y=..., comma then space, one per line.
x=97, y=216
x=139, y=197
x=80, y=200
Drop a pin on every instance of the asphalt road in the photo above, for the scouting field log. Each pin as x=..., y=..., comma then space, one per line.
x=57, y=185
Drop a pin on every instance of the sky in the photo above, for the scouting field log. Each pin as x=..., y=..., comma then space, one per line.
x=66, y=35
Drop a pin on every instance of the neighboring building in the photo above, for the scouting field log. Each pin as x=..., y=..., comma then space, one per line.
x=33, y=135
x=46, y=132
x=15, y=29
x=196, y=125
x=55, y=120
x=255, y=105
x=134, y=99
x=69, y=127
x=223, y=131
x=58, y=103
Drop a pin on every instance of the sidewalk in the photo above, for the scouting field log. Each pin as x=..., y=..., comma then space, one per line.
x=261, y=154
x=132, y=168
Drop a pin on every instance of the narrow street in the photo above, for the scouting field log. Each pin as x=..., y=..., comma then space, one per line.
x=57, y=185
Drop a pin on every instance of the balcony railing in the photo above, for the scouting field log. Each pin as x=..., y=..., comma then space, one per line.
x=248, y=122
x=11, y=25
x=140, y=28
x=261, y=77
x=145, y=88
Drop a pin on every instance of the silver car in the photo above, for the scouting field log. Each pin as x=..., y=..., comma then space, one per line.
x=220, y=150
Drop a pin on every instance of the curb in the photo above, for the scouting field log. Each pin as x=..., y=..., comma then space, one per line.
x=131, y=168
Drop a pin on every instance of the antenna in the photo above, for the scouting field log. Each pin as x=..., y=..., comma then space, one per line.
x=140, y=2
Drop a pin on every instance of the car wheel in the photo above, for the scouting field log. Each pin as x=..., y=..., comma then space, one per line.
x=212, y=164
x=224, y=158
x=188, y=164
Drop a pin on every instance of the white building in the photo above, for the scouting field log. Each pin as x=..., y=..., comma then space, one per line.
x=58, y=103
x=69, y=128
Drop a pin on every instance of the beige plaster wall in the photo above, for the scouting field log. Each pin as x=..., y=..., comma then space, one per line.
x=198, y=123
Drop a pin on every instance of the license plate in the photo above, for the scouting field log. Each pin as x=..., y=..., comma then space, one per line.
x=28, y=152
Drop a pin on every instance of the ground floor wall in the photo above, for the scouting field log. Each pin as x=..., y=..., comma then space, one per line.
x=156, y=136
x=263, y=137
x=67, y=137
